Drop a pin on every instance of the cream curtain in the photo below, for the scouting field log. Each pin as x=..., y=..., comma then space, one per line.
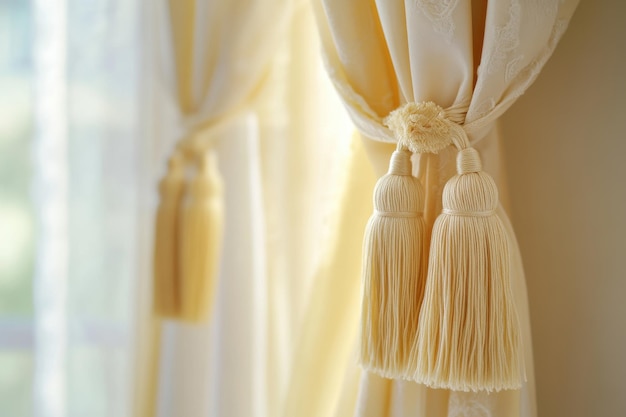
x=283, y=338
x=247, y=76
x=213, y=59
x=475, y=57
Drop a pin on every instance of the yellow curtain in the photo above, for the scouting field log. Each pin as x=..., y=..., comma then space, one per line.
x=265, y=107
x=474, y=57
x=213, y=62
x=283, y=339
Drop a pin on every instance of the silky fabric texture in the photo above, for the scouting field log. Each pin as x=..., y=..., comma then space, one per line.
x=284, y=160
x=217, y=54
x=474, y=58
x=392, y=52
x=283, y=339
x=212, y=62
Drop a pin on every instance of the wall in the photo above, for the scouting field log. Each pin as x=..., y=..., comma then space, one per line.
x=565, y=146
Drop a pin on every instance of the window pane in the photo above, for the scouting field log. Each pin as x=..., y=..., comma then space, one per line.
x=17, y=248
x=16, y=376
x=105, y=188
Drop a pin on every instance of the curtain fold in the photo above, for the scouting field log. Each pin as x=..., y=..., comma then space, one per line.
x=281, y=146
x=426, y=50
x=284, y=337
x=325, y=343
x=392, y=52
x=219, y=367
x=217, y=54
x=213, y=64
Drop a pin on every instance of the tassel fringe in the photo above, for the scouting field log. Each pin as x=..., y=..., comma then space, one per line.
x=393, y=270
x=188, y=240
x=201, y=224
x=165, y=262
x=460, y=332
x=469, y=337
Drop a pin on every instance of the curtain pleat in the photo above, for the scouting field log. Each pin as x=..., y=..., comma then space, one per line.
x=284, y=337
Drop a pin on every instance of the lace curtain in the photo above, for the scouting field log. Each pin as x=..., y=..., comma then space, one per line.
x=74, y=181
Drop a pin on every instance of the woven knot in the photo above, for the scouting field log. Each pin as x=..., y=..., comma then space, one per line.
x=467, y=161
x=421, y=127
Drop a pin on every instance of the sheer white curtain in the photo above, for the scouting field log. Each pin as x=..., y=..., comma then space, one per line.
x=72, y=185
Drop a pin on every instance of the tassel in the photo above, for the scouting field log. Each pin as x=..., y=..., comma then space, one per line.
x=201, y=228
x=165, y=263
x=393, y=270
x=469, y=336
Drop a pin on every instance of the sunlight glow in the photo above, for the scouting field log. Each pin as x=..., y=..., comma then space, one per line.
x=50, y=191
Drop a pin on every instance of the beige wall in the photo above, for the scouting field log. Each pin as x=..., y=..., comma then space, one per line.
x=565, y=145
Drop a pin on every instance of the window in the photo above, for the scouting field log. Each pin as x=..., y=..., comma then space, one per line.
x=71, y=183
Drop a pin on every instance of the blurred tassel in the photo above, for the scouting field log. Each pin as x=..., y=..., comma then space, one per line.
x=393, y=270
x=201, y=230
x=165, y=262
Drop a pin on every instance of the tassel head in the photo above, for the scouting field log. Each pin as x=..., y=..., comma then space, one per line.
x=398, y=191
x=472, y=192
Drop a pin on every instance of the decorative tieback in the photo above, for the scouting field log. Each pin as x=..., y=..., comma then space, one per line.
x=449, y=322
x=189, y=228
x=421, y=127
